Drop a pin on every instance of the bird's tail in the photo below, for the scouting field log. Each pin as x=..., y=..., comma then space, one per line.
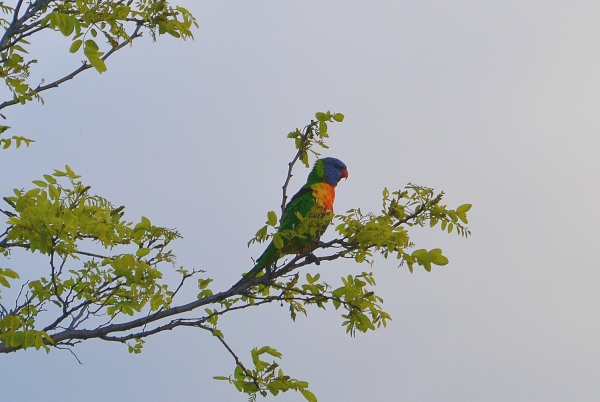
x=266, y=259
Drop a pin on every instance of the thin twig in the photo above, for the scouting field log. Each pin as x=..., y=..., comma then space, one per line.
x=291, y=166
x=72, y=353
x=235, y=357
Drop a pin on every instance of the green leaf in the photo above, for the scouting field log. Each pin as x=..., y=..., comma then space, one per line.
x=221, y=378
x=47, y=337
x=70, y=172
x=50, y=179
x=142, y=252
x=304, y=159
x=238, y=373
x=272, y=218
x=260, y=351
x=276, y=386
x=437, y=258
x=90, y=47
x=17, y=339
x=203, y=283
x=322, y=127
x=338, y=117
x=463, y=208
x=66, y=25
x=4, y=282
x=98, y=64
x=419, y=253
x=10, y=273
x=29, y=339
x=441, y=260
x=309, y=396
x=54, y=192
x=39, y=340
x=75, y=45
x=156, y=302
x=249, y=387
x=145, y=223
x=339, y=292
x=277, y=241
x=274, y=353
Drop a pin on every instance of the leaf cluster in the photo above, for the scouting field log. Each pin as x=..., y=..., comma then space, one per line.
x=314, y=134
x=265, y=377
x=387, y=232
x=57, y=218
x=84, y=20
x=17, y=140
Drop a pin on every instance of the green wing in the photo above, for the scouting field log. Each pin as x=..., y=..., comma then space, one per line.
x=302, y=202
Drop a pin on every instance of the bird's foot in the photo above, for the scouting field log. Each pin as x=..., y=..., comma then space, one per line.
x=313, y=258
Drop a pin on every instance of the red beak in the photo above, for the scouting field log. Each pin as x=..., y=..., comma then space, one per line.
x=344, y=174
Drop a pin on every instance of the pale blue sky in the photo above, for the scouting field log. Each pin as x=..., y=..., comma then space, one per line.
x=496, y=103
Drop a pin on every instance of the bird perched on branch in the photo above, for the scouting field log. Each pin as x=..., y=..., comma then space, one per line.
x=313, y=201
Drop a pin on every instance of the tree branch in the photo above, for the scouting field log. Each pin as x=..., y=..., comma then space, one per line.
x=85, y=66
x=5, y=244
x=13, y=29
x=291, y=166
x=419, y=210
x=235, y=357
x=16, y=12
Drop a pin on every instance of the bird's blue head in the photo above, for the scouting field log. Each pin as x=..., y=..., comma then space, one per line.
x=329, y=170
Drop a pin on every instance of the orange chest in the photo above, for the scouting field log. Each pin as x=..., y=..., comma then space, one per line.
x=324, y=194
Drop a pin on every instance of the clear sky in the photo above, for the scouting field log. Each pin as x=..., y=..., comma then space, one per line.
x=494, y=102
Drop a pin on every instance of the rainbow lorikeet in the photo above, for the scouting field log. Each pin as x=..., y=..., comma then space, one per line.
x=314, y=199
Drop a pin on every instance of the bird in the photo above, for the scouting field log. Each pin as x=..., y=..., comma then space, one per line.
x=314, y=199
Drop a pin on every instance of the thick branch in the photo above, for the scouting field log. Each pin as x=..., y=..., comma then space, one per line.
x=102, y=332
x=191, y=322
x=16, y=12
x=16, y=25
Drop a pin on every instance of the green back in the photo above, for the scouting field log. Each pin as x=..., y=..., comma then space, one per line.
x=302, y=202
